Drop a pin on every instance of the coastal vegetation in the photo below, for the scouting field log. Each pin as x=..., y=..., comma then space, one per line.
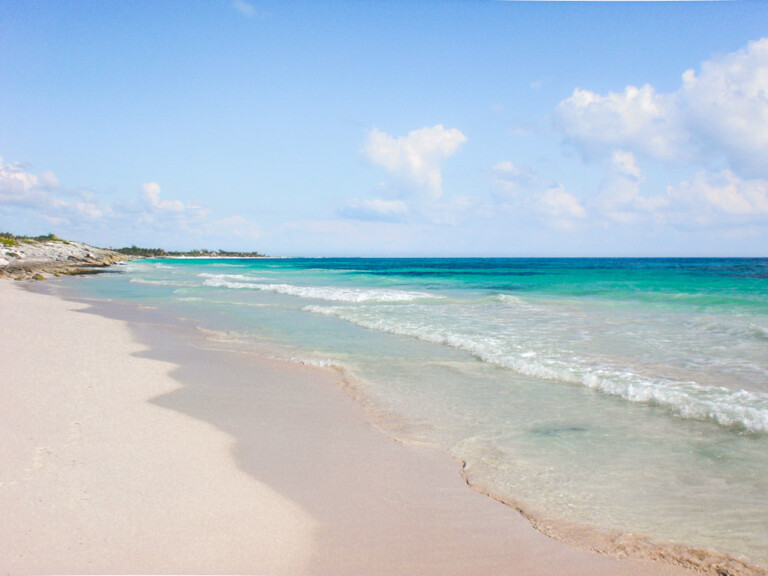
x=161, y=253
x=8, y=239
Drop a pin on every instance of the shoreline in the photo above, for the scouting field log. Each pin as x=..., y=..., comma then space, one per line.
x=375, y=505
x=618, y=544
x=607, y=542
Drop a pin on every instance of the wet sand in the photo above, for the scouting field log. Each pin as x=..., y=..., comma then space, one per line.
x=128, y=446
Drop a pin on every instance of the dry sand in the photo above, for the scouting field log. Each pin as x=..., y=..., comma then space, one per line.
x=128, y=448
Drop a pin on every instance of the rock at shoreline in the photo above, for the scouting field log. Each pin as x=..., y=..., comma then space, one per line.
x=32, y=260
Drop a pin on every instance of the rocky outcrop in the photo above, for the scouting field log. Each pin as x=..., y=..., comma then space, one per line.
x=35, y=260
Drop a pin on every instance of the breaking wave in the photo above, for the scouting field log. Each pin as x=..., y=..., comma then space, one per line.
x=741, y=409
x=330, y=293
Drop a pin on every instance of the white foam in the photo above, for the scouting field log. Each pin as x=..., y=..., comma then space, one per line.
x=727, y=407
x=136, y=280
x=731, y=327
x=316, y=362
x=230, y=277
x=509, y=299
x=329, y=293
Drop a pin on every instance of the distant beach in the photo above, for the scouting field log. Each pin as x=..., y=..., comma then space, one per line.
x=132, y=446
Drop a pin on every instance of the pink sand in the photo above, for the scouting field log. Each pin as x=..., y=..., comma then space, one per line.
x=117, y=457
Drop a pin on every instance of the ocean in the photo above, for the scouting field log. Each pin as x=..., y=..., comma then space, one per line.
x=599, y=396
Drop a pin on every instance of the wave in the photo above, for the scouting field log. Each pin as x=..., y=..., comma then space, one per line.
x=334, y=294
x=744, y=330
x=509, y=299
x=741, y=409
x=175, y=283
x=316, y=362
x=516, y=302
x=230, y=276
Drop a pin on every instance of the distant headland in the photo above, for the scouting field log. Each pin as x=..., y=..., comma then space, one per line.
x=39, y=257
x=137, y=252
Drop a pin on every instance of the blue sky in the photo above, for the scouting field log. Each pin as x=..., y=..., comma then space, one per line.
x=472, y=128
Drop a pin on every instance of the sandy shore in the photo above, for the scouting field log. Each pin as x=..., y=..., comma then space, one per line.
x=127, y=448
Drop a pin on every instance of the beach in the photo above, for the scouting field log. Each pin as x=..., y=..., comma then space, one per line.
x=413, y=288
x=128, y=448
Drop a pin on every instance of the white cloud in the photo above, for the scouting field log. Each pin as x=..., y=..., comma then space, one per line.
x=555, y=201
x=47, y=179
x=726, y=106
x=719, y=198
x=621, y=185
x=720, y=114
x=41, y=193
x=150, y=192
x=38, y=201
x=722, y=192
x=417, y=157
x=520, y=193
x=506, y=167
x=619, y=198
x=637, y=119
x=22, y=188
x=624, y=163
x=717, y=122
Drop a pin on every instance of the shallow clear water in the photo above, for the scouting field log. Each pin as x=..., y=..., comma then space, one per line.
x=624, y=394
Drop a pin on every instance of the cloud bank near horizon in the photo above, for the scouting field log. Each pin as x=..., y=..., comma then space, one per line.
x=82, y=211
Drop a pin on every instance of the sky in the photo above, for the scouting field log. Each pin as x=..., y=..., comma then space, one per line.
x=388, y=128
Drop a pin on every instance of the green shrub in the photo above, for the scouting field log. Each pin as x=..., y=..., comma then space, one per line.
x=47, y=238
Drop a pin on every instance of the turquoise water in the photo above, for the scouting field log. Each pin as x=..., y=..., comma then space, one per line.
x=627, y=394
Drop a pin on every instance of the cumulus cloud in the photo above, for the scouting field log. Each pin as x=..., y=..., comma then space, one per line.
x=417, y=157
x=716, y=122
x=150, y=194
x=721, y=113
x=41, y=193
x=726, y=106
x=722, y=192
x=620, y=198
x=623, y=163
x=521, y=193
x=39, y=199
x=555, y=201
x=636, y=119
x=19, y=187
x=621, y=185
